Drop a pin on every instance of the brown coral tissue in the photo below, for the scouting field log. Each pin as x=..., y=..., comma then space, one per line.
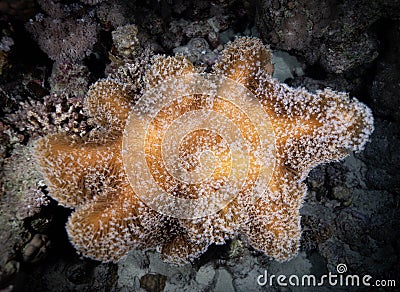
x=198, y=158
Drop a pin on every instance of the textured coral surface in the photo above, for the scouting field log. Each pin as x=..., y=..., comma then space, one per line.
x=113, y=176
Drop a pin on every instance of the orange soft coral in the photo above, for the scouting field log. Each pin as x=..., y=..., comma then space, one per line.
x=198, y=158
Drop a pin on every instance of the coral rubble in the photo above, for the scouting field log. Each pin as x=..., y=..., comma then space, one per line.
x=333, y=34
x=62, y=35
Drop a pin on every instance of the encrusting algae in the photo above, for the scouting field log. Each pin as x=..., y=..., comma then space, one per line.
x=198, y=158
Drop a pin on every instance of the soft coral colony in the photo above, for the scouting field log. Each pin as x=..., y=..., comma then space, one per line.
x=235, y=142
